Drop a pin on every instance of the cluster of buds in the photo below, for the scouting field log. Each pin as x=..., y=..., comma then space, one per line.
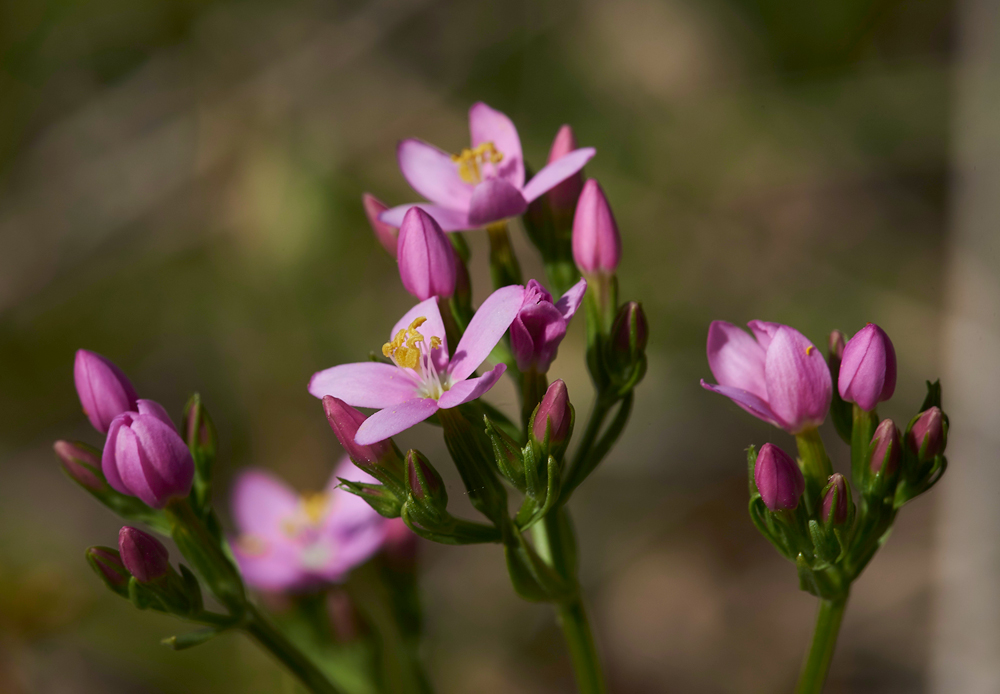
x=805, y=509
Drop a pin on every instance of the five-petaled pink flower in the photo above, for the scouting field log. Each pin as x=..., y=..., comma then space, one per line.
x=779, y=377
x=422, y=377
x=484, y=183
x=288, y=542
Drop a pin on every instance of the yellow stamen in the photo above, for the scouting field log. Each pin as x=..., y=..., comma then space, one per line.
x=470, y=161
x=404, y=349
x=809, y=350
x=314, y=506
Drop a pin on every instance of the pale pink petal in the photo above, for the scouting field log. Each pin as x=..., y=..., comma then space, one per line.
x=393, y=420
x=748, y=401
x=432, y=327
x=471, y=388
x=433, y=174
x=151, y=407
x=764, y=331
x=489, y=125
x=260, y=502
x=735, y=358
x=449, y=219
x=571, y=300
x=485, y=330
x=493, y=200
x=268, y=565
x=558, y=171
x=364, y=384
x=798, y=380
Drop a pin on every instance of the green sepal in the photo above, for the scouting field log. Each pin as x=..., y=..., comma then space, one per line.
x=450, y=530
x=534, y=509
x=202, y=441
x=532, y=578
x=508, y=455
x=764, y=522
x=751, y=465
x=825, y=545
x=143, y=597
x=192, y=589
x=191, y=639
x=862, y=430
x=378, y=496
x=933, y=398
x=472, y=452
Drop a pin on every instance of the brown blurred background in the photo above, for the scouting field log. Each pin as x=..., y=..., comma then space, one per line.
x=180, y=187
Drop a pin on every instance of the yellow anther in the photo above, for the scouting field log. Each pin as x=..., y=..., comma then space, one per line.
x=404, y=348
x=314, y=506
x=470, y=161
x=809, y=350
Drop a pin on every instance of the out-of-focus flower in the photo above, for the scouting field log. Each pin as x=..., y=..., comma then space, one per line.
x=886, y=447
x=385, y=234
x=868, y=368
x=597, y=245
x=554, y=412
x=288, y=542
x=104, y=391
x=778, y=478
x=425, y=257
x=422, y=378
x=562, y=198
x=777, y=375
x=540, y=325
x=75, y=458
x=928, y=428
x=484, y=183
x=143, y=555
x=144, y=456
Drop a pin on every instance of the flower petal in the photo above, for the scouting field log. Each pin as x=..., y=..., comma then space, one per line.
x=364, y=384
x=495, y=199
x=392, y=420
x=155, y=409
x=260, y=502
x=558, y=171
x=748, y=401
x=471, y=388
x=449, y=219
x=764, y=331
x=485, y=330
x=735, y=358
x=571, y=300
x=489, y=125
x=273, y=566
x=432, y=327
x=433, y=174
x=798, y=380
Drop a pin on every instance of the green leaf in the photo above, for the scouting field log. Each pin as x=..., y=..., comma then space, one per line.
x=190, y=639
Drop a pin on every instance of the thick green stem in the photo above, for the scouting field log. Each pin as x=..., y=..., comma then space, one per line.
x=816, y=466
x=817, y=665
x=281, y=648
x=503, y=263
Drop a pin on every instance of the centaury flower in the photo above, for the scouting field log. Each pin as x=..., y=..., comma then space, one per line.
x=288, y=542
x=482, y=184
x=422, y=377
x=541, y=325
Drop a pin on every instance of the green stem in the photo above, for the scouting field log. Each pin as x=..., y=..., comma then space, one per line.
x=817, y=665
x=816, y=466
x=281, y=648
x=503, y=263
x=533, y=385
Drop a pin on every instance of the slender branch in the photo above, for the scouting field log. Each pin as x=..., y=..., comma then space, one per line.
x=817, y=665
x=269, y=638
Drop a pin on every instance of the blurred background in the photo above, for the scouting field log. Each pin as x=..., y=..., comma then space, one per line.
x=180, y=186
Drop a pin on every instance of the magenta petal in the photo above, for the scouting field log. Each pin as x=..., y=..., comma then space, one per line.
x=449, y=219
x=571, y=300
x=392, y=420
x=558, y=171
x=433, y=174
x=432, y=327
x=485, y=330
x=764, y=331
x=748, y=401
x=260, y=502
x=471, y=388
x=489, y=125
x=868, y=370
x=166, y=461
x=735, y=358
x=364, y=384
x=109, y=464
x=495, y=199
x=269, y=565
x=798, y=380
x=134, y=468
x=151, y=407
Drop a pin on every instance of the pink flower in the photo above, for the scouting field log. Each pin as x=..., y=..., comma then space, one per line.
x=483, y=184
x=541, y=325
x=777, y=375
x=288, y=542
x=422, y=377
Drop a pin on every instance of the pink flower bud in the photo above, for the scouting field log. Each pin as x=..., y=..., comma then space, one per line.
x=562, y=198
x=104, y=391
x=778, y=478
x=597, y=247
x=425, y=257
x=423, y=481
x=146, y=457
x=385, y=234
x=107, y=563
x=540, y=325
x=868, y=368
x=553, y=411
x=886, y=448
x=345, y=421
x=836, y=493
x=629, y=333
x=928, y=428
x=72, y=456
x=143, y=555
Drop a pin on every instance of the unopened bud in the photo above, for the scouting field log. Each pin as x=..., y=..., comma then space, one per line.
x=199, y=432
x=868, y=368
x=886, y=448
x=554, y=413
x=143, y=555
x=836, y=344
x=778, y=478
x=425, y=256
x=630, y=333
x=345, y=421
x=105, y=392
x=597, y=245
x=423, y=482
x=928, y=435
x=836, y=500
x=107, y=564
x=82, y=463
